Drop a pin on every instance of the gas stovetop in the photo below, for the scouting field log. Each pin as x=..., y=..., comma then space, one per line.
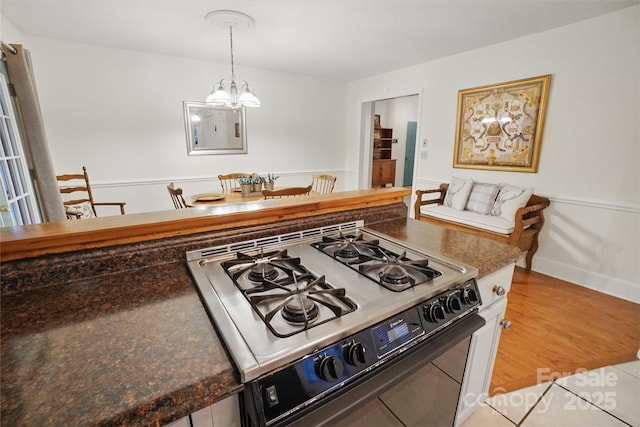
x=277, y=299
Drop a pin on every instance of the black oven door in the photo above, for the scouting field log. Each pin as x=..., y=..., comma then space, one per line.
x=419, y=387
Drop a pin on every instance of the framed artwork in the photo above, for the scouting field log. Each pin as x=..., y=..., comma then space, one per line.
x=376, y=121
x=499, y=127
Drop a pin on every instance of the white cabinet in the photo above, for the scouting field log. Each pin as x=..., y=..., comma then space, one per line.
x=484, y=342
x=225, y=413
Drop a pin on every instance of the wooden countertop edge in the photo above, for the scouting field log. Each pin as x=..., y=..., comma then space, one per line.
x=48, y=238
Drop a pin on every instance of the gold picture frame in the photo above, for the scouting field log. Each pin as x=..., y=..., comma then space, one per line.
x=376, y=121
x=499, y=127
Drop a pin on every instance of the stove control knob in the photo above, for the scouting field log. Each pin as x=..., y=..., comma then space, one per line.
x=356, y=354
x=469, y=296
x=453, y=303
x=329, y=368
x=433, y=312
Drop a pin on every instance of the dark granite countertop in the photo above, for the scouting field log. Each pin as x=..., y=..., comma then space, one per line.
x=136, y=347
x=131, y=348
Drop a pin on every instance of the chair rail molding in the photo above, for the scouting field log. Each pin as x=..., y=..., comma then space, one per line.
x=176, y=180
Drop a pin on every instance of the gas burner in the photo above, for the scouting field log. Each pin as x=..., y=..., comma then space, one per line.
x=348, y=248
x=394, y=275
x=397, y=272
x=263, y=266
x=261, y=271
x=299, y=310
x=303, y=301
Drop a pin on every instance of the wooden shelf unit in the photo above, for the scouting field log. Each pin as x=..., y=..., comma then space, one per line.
x=382, y=140
x=384, y=167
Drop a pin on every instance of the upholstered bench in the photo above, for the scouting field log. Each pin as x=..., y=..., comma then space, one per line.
x=504, y=213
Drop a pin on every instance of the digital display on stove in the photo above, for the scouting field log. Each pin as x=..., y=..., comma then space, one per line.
x=392, y=334
x=398, y=332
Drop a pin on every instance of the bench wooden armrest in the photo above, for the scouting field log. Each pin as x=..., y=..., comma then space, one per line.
x=441, y=191
x=529, y=218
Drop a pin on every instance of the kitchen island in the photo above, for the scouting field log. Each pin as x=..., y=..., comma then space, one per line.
x=110, y=330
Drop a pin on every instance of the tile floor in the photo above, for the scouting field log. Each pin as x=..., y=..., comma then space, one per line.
x=604, y=397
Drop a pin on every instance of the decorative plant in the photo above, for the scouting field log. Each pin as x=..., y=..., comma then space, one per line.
x=271, y=178
x=245, y=180
x=257, y=179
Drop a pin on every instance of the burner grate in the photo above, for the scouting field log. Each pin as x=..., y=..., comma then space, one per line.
x=250, y=270
x=299, y=300
x=287, y=297
x=397, y=272
x=349, y=248
x=394, y=271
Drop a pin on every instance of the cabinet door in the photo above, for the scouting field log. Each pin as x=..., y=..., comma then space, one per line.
x=383, y=172
x=376, y=173
x=389, y=172
x=482, y=356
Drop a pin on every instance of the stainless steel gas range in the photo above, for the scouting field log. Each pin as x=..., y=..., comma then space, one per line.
x=314, y=315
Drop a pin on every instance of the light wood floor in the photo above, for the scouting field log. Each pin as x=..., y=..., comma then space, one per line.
x=561, y=327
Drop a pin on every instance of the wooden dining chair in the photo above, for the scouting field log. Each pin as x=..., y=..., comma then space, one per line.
x=79, y=201
x=322, y=183
x=286, y=192
x=230, y=182
x=176, y=197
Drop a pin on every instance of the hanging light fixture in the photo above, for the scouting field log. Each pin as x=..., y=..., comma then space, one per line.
x=219, y=95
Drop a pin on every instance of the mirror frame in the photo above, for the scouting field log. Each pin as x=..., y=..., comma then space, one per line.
x=192, y=109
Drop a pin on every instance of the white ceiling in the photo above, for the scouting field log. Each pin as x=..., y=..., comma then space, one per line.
x=336, y=39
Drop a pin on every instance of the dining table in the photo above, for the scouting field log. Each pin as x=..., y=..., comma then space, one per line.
x=219, y=198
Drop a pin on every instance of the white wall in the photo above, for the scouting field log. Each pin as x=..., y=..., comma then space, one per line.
x=120, y=113
x=590, y=150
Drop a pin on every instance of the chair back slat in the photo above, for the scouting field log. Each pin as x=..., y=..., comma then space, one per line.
x=75, y=202
x=67, y=190
x=322, y=183
x=230, y=181
x=176, y=197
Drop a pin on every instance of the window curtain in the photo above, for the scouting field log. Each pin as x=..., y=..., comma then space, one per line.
x=19, y=68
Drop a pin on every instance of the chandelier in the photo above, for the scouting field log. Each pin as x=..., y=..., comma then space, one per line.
x=219, y=95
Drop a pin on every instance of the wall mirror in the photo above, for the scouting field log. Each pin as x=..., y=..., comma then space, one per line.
x=214, y=130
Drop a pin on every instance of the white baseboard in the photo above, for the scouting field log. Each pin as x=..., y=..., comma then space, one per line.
x=598, y=282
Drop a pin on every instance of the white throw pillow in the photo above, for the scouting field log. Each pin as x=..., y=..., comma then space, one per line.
x=84, y=209
x=509, y=200
x=458, y=193
x=482, y=198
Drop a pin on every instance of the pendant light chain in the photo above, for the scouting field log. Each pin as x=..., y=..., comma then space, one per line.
x=233, y=73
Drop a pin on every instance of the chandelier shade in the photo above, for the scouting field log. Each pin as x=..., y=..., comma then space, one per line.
x=219, y=95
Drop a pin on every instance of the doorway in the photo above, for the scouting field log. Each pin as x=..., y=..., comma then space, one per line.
x=401, y=116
